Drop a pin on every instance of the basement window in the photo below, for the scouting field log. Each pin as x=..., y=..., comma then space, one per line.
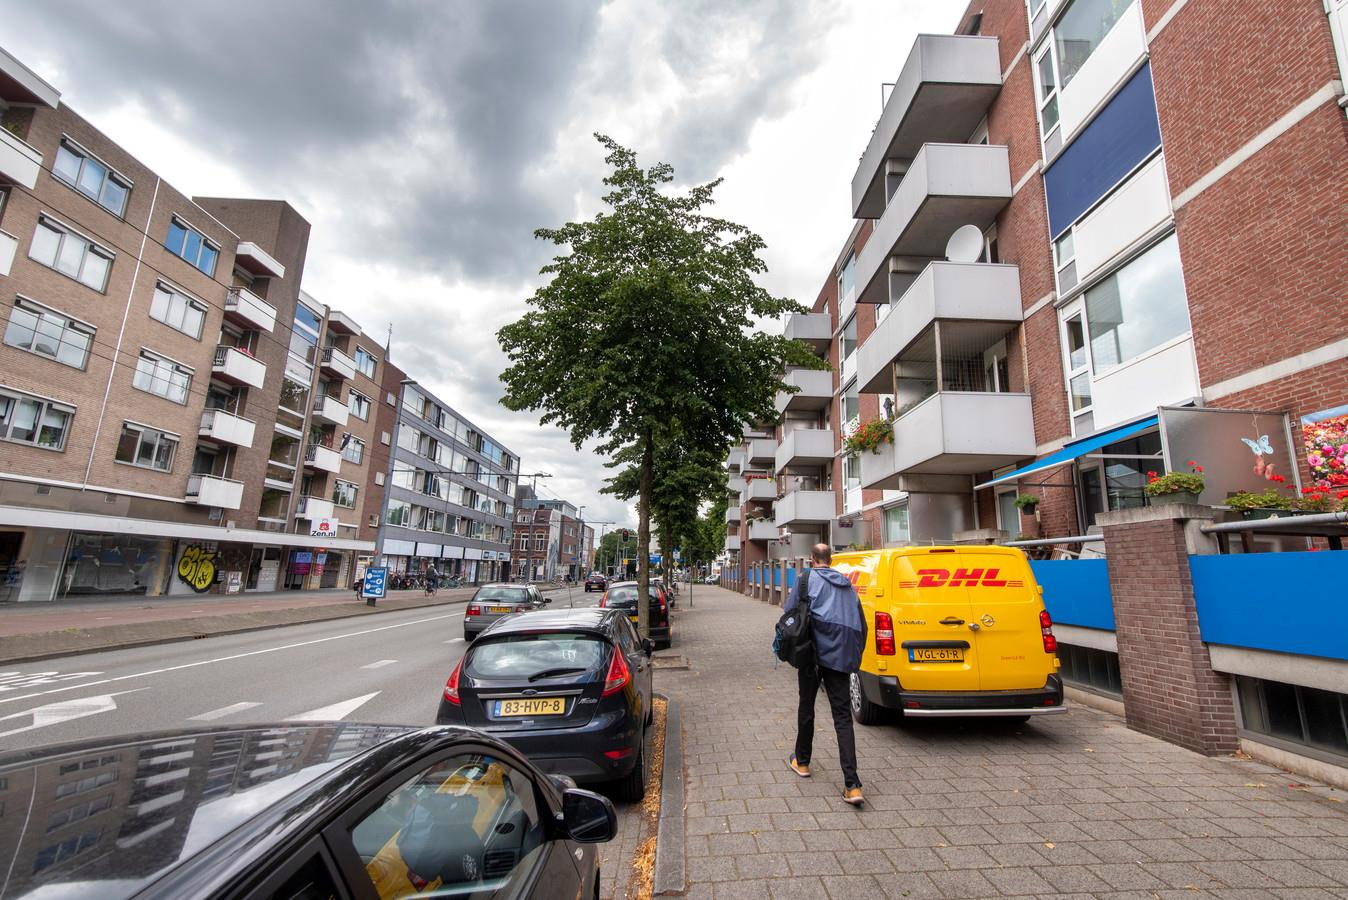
x=1309, y=718
x=1092, y=669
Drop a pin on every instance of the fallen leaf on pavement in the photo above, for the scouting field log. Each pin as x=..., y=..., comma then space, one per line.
x=1255, y=784
x=1049, y=844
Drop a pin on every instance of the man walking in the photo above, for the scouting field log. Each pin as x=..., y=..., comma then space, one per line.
x=839, y=636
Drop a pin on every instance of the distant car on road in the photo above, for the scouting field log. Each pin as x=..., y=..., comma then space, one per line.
x=492, y=601
x=623, y=595
x=595, y=582
x=295, y=811
x=570, y=688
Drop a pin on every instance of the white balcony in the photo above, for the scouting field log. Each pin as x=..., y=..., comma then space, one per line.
x=947, y=186
x=20, y=84
x=226, y=428
x=9, y=244
x=804, y=508
x=20, y=162
x=735, y=462
x=249, y=310
x=757, y=431
x=316, y=456
x=760, y=490
x=761, y=452
x=235, y=366
x=335, y=362
x=732, y=515
x=953, y=433
x=735, y=485
x=341, y=323
x=208, y=490
x=331, y=411
x=966, y=292
x=259, y=262
x=313, y=508
x=732, y=542
x=942, y=93
x=802, y=448
x=816, y=390
x=763, y=531
x=814, y=329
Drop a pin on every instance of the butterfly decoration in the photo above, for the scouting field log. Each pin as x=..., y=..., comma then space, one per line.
x=1260, y=446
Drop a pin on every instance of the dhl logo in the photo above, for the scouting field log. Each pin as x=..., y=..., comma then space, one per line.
x=961, y=578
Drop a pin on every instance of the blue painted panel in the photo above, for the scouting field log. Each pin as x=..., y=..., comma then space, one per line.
x=1076, y=591
x=1286, y=602
x=790, y=578
x=776, y=577
x=1124, y=134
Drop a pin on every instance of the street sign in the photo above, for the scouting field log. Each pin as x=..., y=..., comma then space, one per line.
x=655, y=559
x=375, y=583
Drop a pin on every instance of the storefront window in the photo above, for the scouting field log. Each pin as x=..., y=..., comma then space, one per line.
x=110, y=565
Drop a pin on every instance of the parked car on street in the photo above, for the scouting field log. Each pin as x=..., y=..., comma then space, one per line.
x=492, y=601
x=571, y=689
x=623, y=595
x=595, y=582
x=295, y=811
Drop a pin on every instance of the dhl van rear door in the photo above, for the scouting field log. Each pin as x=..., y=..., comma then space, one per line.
x=1006, y=606
x=936, y=651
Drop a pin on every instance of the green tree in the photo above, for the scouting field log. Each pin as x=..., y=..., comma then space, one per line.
x=643, y=335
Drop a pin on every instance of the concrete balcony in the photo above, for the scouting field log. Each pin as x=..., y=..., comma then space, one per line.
x=331, y=411
x=953, y=433
x=226, y=428
x=757, y=431
x=735, y=486
x=313, y=508
x=760, y=490
x=20, y=84
x=732, y=542
x=9, y=245
x=965, y=292
x=761, y=452
x=335, y=362
x=947, y=186
x=732, y=515
x=816, y=390
x=804, y=508
x=20, y=162
x=208, y=490
x=802, y=448
x=245, y=308
x=735, y=462
x=762, y=531
x=259, y=262
x=814, y=329
x=316, y=456
x=341, y=323
x=236, y=367
x=943, y=91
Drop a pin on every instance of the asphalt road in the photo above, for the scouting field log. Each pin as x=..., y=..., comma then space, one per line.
x=388, y=668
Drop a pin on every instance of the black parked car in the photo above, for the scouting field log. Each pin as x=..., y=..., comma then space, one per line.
x=570, y=688
x=294, y=811
x=623, y=595
x=595, y=582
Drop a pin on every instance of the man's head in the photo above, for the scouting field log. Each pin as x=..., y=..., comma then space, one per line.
x=821, y=554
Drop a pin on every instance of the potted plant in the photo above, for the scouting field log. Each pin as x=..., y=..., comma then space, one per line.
x=1176, y=487
x=1258, y=504
x=1320, y=500
x=869, y=437
x=1026, y=503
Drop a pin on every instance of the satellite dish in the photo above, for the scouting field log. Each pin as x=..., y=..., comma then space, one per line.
x=965, y=245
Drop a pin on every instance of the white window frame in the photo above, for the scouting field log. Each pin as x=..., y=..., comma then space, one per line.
x=45, y=407
x=149, y=376
x=354, y=451
x=367, y=355
x=66, y=234
x=1011, y=528
x=1076, y=310
x=1041, y=99
x=352, y=397
x=69, y=324
x=110, y=174
x=206, y=242
x=183, y=302
x=345, y=490
x=160, y=437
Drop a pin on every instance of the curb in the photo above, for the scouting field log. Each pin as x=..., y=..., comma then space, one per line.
x=670, y=877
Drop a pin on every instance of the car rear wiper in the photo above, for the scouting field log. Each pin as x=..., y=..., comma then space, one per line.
x=548, y=673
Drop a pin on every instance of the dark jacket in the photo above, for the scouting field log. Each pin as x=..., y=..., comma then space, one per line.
x=839, y=625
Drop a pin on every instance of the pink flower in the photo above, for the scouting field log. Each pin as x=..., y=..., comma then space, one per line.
x=1315, y=460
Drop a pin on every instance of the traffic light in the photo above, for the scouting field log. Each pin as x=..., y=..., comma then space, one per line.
x=627, y=534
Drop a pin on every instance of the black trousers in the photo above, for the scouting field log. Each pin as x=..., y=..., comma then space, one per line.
x=837, y=688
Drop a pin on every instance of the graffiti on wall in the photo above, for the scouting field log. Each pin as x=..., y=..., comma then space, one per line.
x=197, y=567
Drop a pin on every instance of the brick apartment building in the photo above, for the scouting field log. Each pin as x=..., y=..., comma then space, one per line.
x=550, y=540
x=1150, y=268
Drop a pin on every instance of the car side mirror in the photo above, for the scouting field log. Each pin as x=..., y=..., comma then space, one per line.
x=647, y=646
x=587, y=817
x=545, y=600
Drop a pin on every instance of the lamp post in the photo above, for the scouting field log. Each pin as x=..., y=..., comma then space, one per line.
x=388, y=479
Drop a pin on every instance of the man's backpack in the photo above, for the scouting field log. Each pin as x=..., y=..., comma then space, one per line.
x=794, y=642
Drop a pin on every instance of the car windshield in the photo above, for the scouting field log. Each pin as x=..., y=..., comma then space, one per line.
x=523, y=655
x=509, y=595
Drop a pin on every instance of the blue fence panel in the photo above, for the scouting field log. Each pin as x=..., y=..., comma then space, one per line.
x=776, y=577
x=1285, y=602
x=790, y=578
x=1076, y=591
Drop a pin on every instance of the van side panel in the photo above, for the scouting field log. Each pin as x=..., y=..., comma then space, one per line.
x=1005, y=602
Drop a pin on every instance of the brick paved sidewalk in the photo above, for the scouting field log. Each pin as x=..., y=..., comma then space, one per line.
x=1066, y=805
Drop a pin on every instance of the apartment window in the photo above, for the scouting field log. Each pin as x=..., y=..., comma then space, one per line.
x=539, y=542
x=70, y=254
x=847, y=342
x=1080, y=29
x=1091, y=668
x=1008, y=514
x=354, y=451
x=1138, y=308
x=48, y=333
x=360, y=406
x=399, y=513
x=344, y=494
x=1294, y=713
x=896, y=524
x=408, y=439
x=847, y=281
x=1048, y=100
x=91, y=177
x=147, y=448
x=162, y=377
x=25, y=419
x=365, y=362
x=850, y=404
x=177, y=311
x=185, y=241
x=1065, y=261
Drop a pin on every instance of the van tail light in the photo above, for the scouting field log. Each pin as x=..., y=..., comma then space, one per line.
x=884, y=634
x=618, y=674
x=452, y=686
x=473, y=610
x=603, y=601
x=1046, y=626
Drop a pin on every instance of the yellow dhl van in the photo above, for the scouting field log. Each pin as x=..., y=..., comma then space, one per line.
x=952, y=631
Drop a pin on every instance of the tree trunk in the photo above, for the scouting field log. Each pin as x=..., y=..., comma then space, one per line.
x=644, y=535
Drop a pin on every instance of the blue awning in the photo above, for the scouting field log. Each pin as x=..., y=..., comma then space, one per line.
x=1075, y=449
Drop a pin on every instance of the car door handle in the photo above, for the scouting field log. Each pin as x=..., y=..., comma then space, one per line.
x=951, y=620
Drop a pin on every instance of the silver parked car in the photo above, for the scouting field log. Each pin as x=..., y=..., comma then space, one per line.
x=492, y=601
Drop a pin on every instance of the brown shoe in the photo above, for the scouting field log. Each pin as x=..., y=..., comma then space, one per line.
x=802, y=771
x=853, y=796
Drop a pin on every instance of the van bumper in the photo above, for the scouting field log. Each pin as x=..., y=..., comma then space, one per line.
x=885, y=691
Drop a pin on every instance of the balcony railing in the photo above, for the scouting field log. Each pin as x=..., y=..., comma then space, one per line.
x=816, y=390
x=233, y=365
x=250, y=256
x=209, y=490
x=761, y=451
x=804, y=508
x=760, y=489
x=227, y=428
x=250, y=310
x=313, y=508
x=762, y=531
x=953, y=433
x=732, y=515
x=804, y=447
x=316, y=456
x=20, y=162
x=335, y=362
x=331, y=411
x=814, y=329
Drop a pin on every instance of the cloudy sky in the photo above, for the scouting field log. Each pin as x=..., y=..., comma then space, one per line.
x=425, y=141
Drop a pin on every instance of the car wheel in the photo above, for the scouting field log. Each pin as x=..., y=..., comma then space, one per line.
x=863, y=710
x=632, y=787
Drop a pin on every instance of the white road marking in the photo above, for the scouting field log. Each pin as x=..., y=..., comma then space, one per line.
x=380, y=664
x=15, y=681
x=65, y=711
x=220, y=659
x=223, y=711
x=454, y=641
x=335, y=711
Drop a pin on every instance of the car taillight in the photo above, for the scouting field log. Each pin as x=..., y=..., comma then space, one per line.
x=618, y=674
x=1046, y=626
x=473, y=610
x=452, y=686
x=884, y=634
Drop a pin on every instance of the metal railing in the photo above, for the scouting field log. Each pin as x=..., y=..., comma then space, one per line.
x=1331, y=526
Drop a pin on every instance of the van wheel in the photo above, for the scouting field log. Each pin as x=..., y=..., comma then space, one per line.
x=863, y=710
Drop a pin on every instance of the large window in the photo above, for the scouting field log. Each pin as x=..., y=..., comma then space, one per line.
x=365, y=362
x=70, y=254
x=1315, y=718
x=896, y=524
x=91, y=177
x=49, y=333
x=399, y=513
x=847, y=342
x=25, y=419
x=1080, y=30
x=360, y=405
x=354, y=451
x=185, y=241
x=177, y=310
x=163, y=377
x=1138, y=308
x=344, y=494
x=146, y=447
